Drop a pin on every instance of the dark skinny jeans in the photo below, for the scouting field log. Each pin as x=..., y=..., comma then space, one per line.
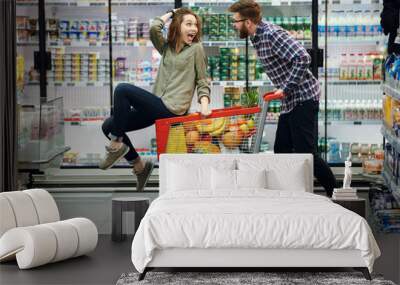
x=134, y=109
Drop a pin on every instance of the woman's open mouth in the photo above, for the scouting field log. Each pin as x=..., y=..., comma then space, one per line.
x=191, y=36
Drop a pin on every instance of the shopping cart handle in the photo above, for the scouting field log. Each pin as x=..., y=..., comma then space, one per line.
x=271, y=96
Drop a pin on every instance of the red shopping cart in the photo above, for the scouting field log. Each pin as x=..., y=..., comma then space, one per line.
x=228, y=130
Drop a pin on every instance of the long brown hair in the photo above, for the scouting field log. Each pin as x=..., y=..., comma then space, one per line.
x=174, y=32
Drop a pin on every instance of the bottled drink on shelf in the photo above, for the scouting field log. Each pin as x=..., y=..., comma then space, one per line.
x=361, y=64
x=351, y=110
x=352, y=67
x=344, y=67
x=358, y=24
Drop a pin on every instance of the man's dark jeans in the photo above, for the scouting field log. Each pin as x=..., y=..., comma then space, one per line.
x=298, y=133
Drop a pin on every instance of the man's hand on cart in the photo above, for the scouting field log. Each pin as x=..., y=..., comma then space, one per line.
x=279, y=92
x=204, y=109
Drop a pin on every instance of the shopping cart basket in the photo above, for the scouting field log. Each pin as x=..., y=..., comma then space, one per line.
x=228, y=130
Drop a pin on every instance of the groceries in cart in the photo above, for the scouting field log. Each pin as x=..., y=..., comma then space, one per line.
x=228, y=130
x=211, y=135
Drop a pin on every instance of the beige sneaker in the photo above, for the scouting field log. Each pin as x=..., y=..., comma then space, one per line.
x=113, y=156
x=144, y=176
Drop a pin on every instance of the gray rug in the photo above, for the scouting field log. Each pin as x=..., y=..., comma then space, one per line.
x=243, y=278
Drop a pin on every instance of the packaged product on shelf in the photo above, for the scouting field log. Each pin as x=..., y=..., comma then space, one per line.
x=387, y=109
x=71, y=157
x=372, y=166
x=377, y=61
x=352, y=67
x=34, y=36
x=75, y=35
x=379, y=154
x=20, y=78
x=22, y=36
x=84, y=25
x=33, y=24
x=395, y=105
x=22, y=22
x=94, y=26
x=361, y=72
x=355, y=151
x=396, y=119
x=334, y=151
x=74, y=25
x=92, y=35
x=364, y=151
x=389, y=156
x=63, y=25
x=64, y=35
x=344, y=68
x=396, y=166
x=344, y=150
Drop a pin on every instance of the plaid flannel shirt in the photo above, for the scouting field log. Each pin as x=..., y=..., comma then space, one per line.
x=286, y=63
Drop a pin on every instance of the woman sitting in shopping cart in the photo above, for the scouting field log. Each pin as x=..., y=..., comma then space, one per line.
x=183, y=67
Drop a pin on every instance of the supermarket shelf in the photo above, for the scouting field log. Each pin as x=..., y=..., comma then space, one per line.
x=241, y=43
x=146, y=84
x=224, y=43
x=350, y=2
x=94, y=3
x=282, y=2
x=352, y=122
x=351, y=41
x=391, y=137
x=262, y=2
x=77, y=84
x=336, y=81
x=392, y=92
x=88, y=83
x=124, y=3
x=391, y=183
x=84, y=43
x=241, y=83
x=35, y=164
x=143, y=43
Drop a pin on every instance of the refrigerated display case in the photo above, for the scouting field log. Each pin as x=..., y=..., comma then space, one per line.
x=87, y=63
x=351, y=103
x=40, y=111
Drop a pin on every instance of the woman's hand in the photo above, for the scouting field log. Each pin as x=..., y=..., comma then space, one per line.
x=204, y=109
x=168, y=15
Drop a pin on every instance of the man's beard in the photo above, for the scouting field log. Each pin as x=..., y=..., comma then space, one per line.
x=243, y=32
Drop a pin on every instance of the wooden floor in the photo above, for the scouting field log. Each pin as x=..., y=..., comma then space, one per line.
x=110, y=259
x=103, y=266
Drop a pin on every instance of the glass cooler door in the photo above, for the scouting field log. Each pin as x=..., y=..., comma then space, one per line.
x=351, y=105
